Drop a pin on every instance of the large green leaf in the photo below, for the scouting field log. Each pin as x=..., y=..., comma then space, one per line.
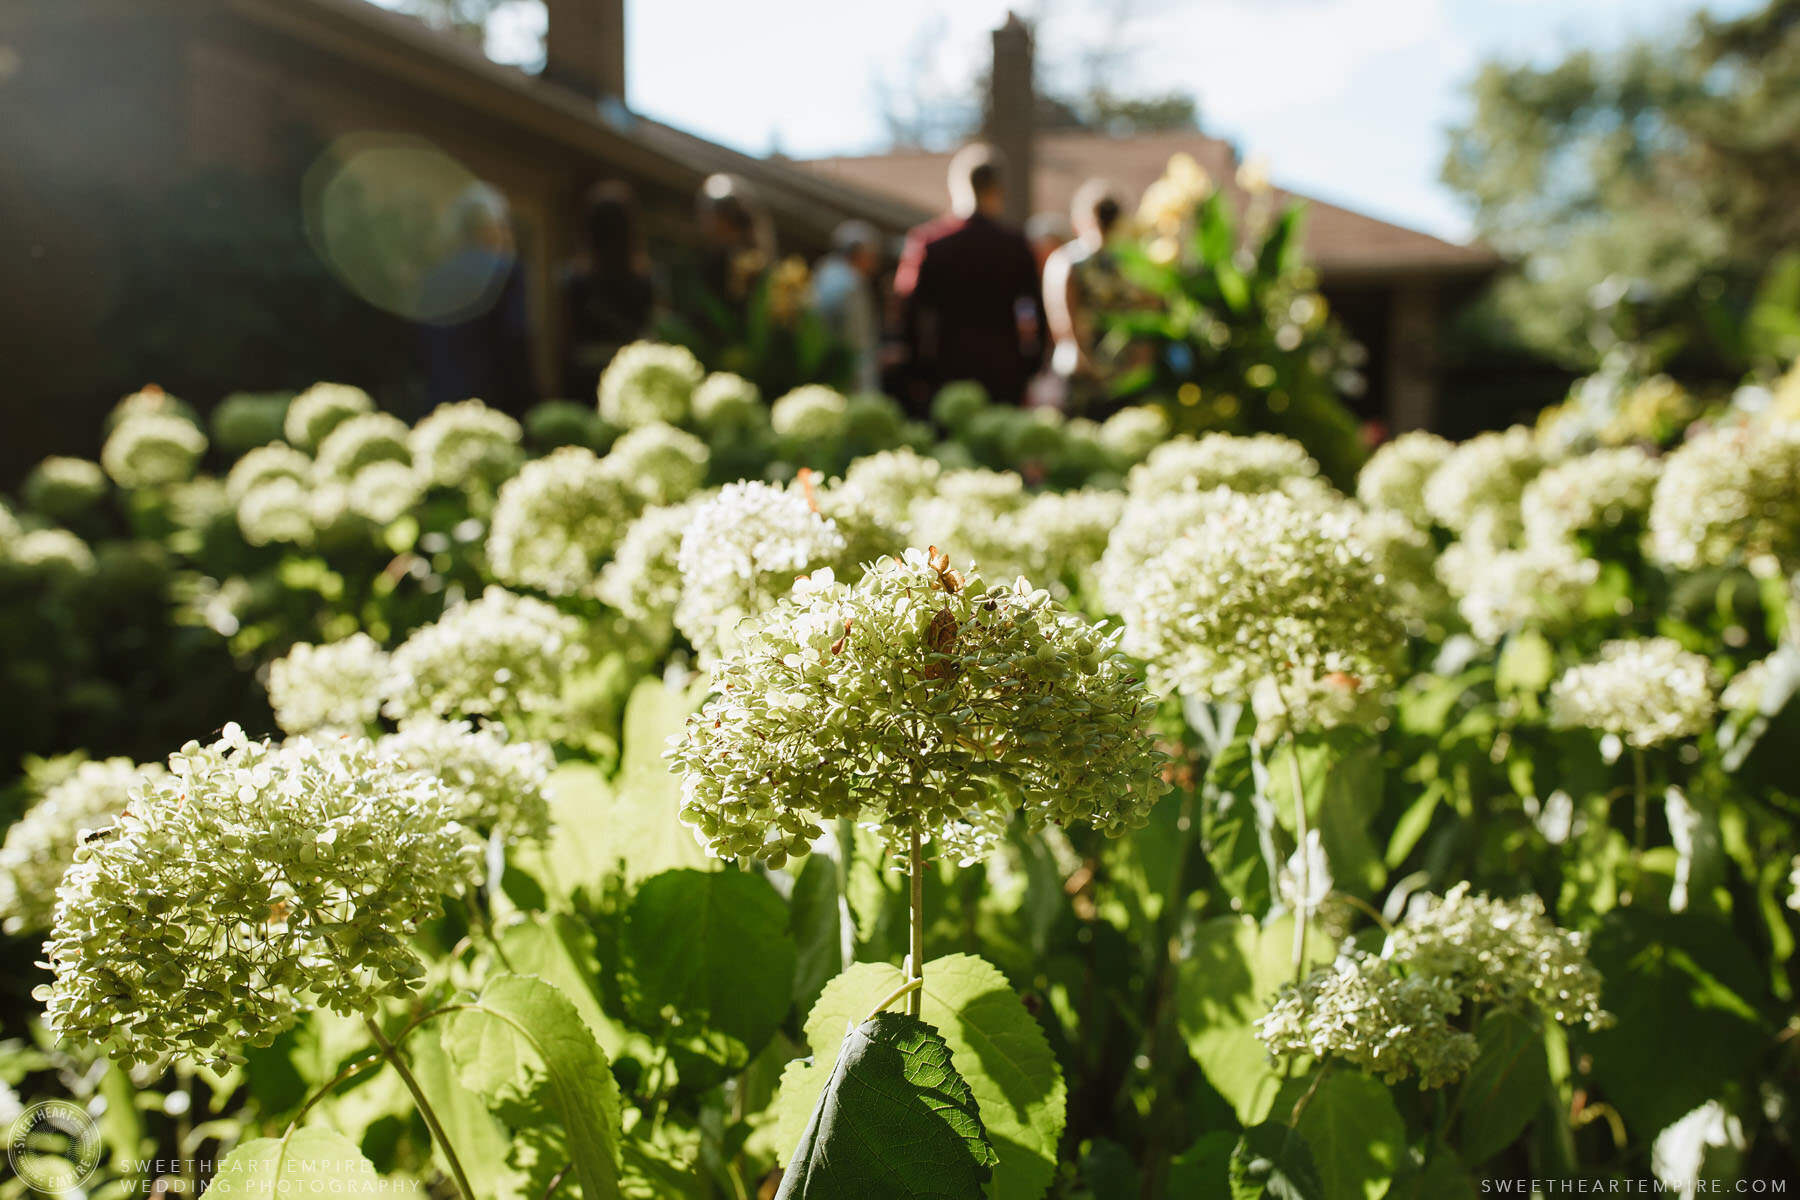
x=818, y=919
x=522, y=1026
x=1506, y=1086
x=309, y=1161
x=1273, y=1162
x=1342, y=773
x=1441, y=1176
x=893, y=1119
x=996, y=1045
x=1233, y=970
x=709, y=962
x=1356, y=1135
x=1201, y=1172
x=479, y=1139
x=559, y=949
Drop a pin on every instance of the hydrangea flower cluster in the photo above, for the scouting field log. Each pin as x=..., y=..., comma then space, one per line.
x=660, y=463
x=1765, y=685
x=49, y=553
x=150, y=449
x=333, y=688
x=466, y=444
x=503, y=656
x=1645, y=690
x=1499, y=591
x=916, y=700
x=497, y=787
x=1391, y=1015
x=256, y=880
x=1483, y=478
x=811, y=415
x=266, y=464
x=1130, y=434
x=1590, y=494
x=647, y=382
x=893, y=480
x=1358, y=1010
x=383, y=492
x=1263, y=587
x=320, y=409
x=1260, y=462
x=278, y=510
x=1731, y=496
x=558, y=519
x=41, y=844
x=1146, y=527
x=358, y=441
x=741, y=553
x=1406, y=557
x=1395, y=475
x=1506, y=953
x=62, y=488
x=969, y=514
x=1059, y=536
x=643, y=580
x=725, y=403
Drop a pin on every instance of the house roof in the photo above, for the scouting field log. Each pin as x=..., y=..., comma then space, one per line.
x=410, y=51
x=1345, y=245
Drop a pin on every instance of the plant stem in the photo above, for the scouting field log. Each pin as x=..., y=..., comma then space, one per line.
x=1643, y=796
x=916, y=958
x=425, y=1110
x=1302, y=885
x=1300, y=1104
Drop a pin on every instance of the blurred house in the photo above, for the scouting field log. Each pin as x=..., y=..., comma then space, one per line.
x=174, y=204
x=1390, y=286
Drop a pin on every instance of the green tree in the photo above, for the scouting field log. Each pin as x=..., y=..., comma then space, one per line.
x=1644, y=192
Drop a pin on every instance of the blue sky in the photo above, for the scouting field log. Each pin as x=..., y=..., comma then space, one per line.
x=1347, y=100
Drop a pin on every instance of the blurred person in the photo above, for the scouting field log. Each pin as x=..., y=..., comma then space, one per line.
x=1083, y=284
x=711, y=287
x=607, y=294
x=477, y=343
x=843, y=295
x=969, y=305
x=1047, y=231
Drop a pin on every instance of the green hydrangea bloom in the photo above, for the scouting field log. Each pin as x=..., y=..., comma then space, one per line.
x=558, y=519
x=255, y=881
x=502, y=656
x=498, y=787
x=152, y=449
x=320, y=409
x=467, y=445
x=1730, y=496
x=333, y=688
x=41, y=844
x=1394, y=477
x=647, y=382
x=1645, y=690
x=660, y=463
x=915, y=700
x=63, y=488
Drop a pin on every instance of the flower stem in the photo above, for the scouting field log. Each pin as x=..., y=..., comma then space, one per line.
x=1643, y=796
x=425, y=1110
x=916, y=958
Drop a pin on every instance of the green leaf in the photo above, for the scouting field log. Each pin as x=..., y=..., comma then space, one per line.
x=1506, y=1086
x=559, y=949
x=817, y=919
x=480, y=1141
x=1342, y=773
x=1201, y=1172
x=519, y=1019
x=709, y=962
x=997, y=1046
x=894, y=1119
x=1229, y=978
x=1356, y=1135
x=308, y=1161
x=1440, y=1177
x=1273, y=1162
x=1527, y=664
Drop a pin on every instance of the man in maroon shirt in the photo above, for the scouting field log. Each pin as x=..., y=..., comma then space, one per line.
x=970, y=305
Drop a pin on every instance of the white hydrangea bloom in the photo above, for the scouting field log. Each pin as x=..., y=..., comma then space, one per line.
x=276, y=510
x=660, y=463
x=321, y=408
x=333, y=688
x=1766, y=685
x=726, y=403
x=1058, y=537
x=1263, y=587
x=150, y=449
x=558, y=519
x=498, y=786
x=1395, y=475
x=466, y=444
x=1406, y=556
x=1499, y=591
x=1589, y=494
x=1731, y=496
x=1130, y=434
x=61, y=487
x=358, y=441
x=41, y=844
x=277, y=460
x=811, y=414
x=385, y=491
x=1146, y=527
x=742, y=552
x=643, y=580
x=503, y=656
x=966, y=516
x=1645, y=690
x=893, y=480
x=648, y=382
x=1257, y=463
x=50, y=553
x=1484, y=478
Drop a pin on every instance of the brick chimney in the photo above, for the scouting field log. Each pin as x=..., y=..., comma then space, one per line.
x=1011, y=113
x=584, y=48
